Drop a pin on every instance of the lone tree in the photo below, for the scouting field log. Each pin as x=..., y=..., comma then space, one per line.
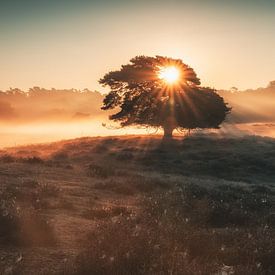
x=162, y=92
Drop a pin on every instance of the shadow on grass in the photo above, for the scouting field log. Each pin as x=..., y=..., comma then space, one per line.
x=187, y=230
x=249, y=159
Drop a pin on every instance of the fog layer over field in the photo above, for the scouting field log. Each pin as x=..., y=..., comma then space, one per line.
x=45, y=132
x=43, y=115
x=40, y=133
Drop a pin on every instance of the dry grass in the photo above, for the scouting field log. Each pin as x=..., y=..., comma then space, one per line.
x=23, y=226
x=131, y=205
x=180, y=232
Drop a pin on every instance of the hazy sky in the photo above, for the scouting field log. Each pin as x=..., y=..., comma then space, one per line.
x=66, y=43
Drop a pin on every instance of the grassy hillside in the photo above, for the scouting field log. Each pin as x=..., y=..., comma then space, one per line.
x=137, y=205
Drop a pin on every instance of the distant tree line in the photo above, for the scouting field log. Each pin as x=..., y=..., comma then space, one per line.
x=49, y=104
x=251, y=105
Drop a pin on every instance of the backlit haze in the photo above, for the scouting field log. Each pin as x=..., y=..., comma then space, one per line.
x=66, y=44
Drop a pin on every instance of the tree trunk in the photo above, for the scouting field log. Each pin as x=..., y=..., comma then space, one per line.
x=168, y=131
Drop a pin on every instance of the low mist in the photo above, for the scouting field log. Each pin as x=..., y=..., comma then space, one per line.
x=42, y=115
x=42, y=105
x=251, y=106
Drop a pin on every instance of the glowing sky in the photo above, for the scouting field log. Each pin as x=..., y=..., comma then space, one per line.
x=66, y=43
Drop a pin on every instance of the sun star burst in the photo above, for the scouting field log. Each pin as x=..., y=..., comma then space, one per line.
x=169, y=74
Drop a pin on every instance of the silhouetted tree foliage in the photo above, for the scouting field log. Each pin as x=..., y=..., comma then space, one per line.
x=145, y=99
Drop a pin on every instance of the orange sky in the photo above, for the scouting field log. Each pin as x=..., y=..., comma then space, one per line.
x=66, y=44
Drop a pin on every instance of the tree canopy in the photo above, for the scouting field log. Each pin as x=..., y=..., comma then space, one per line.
x=145, y=97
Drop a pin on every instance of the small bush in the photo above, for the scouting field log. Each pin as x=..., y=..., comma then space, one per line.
x=124, y=156
x=100, y=148
x=95, y=170
x=69, y=167
x=33, y=160
x=48, y=190
x=7, y=158
x=60, y=156
x=30, y=183
x=23, y=227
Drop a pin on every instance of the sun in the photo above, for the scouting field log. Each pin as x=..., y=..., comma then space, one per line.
x=169, y=74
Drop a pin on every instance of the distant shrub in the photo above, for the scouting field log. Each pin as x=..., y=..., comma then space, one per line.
x=95, y=170
x=124, y=156
x=7, y=158
x=110, y=141
x=261, y=189
x=100, y=148
x=30, y=183
x=33, y=160
x=59, y=156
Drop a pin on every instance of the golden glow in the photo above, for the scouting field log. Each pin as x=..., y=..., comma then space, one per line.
x=169, y=74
